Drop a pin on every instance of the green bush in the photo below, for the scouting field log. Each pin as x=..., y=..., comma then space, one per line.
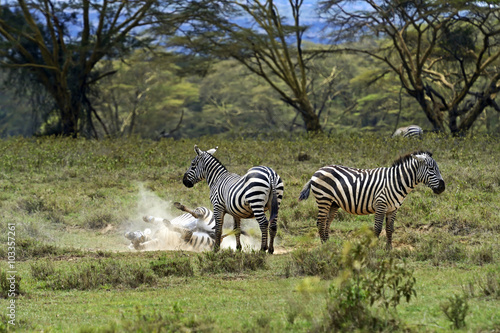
x=456, y=309
x=362, y=285
x=321, y=261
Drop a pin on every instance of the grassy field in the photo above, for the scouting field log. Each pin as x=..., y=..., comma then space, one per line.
x=70, y=202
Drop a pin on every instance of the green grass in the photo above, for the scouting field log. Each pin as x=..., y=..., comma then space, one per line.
x=72, y=200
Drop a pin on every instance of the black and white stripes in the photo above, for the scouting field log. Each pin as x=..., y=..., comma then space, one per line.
x=247, y=196
x=379, y=191
x=412, y=131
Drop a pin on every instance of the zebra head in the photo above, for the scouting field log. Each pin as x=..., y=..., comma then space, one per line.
x=197, y=170
x=428, y=172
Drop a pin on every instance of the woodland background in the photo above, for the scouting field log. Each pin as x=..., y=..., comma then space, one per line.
x=183, y=69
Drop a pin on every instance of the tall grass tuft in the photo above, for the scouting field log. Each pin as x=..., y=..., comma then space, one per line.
x=28, y=248
x=229, y=261
x=172, y=321
x=94, y=274
x=179, y=265
x=9, y=287
x=321, y=261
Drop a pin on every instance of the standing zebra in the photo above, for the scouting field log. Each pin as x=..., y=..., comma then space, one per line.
x=379, y=191
x=409, y=132
x=247, y=196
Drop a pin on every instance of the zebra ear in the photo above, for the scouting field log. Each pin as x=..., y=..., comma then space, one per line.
x=213, y=150
x=197, y=150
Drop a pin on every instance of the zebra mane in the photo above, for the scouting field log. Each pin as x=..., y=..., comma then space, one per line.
x=408, y=156
x=215, y=158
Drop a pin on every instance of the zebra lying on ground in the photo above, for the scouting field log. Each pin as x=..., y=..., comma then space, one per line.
x=379, y=191
x=196, y=229
x=242, y=197
x=409, y=132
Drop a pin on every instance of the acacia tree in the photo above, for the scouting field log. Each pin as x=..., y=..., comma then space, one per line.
x=145, y=96
x=445, y=54
x=57, y=44
x=255, y=34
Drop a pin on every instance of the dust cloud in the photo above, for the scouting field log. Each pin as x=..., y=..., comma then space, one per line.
x=158, y=237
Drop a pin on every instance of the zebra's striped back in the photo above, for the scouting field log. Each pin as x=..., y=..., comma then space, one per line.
x=412, y=131
x=379, y=191
x=243, y=197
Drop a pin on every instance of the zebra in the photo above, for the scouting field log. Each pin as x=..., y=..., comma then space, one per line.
x=196, y=227
x=242, y=197
x=379, y=191
x=412, y=131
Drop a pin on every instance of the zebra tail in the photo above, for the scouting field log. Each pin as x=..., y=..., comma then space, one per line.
x=274, y=203
x=304, y=194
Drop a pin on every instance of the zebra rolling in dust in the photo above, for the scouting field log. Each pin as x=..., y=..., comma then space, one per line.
x=379, y=191
x=195, y=230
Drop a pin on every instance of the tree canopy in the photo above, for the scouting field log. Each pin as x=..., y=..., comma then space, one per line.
x=175, y=68
x=57, y=44
x=445, y=54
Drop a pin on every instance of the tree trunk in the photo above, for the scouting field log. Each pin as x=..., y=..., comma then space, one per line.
x=483, y=100
x=309, y=116
x=432, y=109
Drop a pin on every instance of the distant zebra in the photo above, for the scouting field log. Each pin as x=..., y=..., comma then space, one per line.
x=409, y=132
x=242, y=197
x=379, y=191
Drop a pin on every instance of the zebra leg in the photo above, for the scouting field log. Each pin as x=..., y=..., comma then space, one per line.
x=379, y=220
x=323, y=211
x=273, y=229
x=183, y=208
x=331, y=215
x=219, y=220
x=237, y=232
x=389, y=228
x=264, y=227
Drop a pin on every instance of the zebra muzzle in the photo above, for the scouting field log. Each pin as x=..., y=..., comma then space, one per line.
x=440, y=188
x=187, y=182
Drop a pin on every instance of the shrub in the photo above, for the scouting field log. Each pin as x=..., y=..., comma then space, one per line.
x=321, y=261
x=179, y=265
x=456, y=309
x=363, y=283
x=229, y=261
